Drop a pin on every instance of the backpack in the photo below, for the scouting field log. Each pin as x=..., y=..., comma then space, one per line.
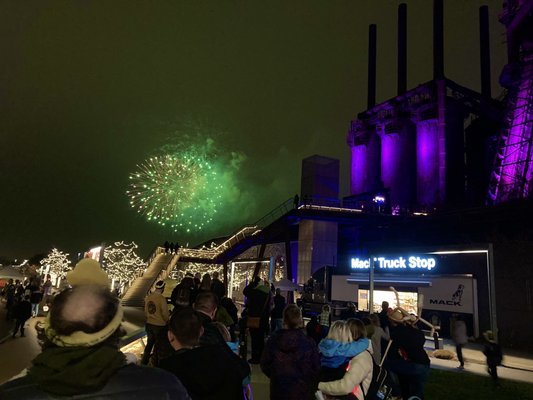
x=377, y=389
x=181, y=295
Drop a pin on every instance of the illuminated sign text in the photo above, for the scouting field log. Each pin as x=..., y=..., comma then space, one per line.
x=413, y=262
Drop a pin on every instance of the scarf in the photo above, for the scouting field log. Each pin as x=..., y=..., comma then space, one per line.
x=67, y=371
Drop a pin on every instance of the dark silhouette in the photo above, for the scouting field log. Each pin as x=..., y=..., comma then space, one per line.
x=313, y=329
x=257, y=298
x=9, y=294
x=217, y=286
x=276, y=315
x=493, y=352
x=296, y=201
x=207, y=372
x=182, y=295
x=21, y=313
x=407, y=357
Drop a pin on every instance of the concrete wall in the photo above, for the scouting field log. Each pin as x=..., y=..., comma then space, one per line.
x=317, y=247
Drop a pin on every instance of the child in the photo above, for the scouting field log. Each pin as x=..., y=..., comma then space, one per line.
x=313, y=329
x=336, y=351
x=493, y=352
x=324, y=319
x=234, y=346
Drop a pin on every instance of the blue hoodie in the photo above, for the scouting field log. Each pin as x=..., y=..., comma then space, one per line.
x=335, y=353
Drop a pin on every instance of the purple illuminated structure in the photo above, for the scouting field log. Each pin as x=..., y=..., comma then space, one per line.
x=512, y=176
x=412, y=147
x=427, y=162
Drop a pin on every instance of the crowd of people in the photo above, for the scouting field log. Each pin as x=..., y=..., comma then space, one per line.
x=23, y=300
x=197, y=348
x=336, y=358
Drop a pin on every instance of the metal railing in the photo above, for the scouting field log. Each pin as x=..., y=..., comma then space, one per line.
x=276, y=213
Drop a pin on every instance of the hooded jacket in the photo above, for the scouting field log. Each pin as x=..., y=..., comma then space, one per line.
x=291, y=361
x=335, y=353
x=359, y=374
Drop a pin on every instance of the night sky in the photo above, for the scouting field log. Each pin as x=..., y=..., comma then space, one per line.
x=90, y=89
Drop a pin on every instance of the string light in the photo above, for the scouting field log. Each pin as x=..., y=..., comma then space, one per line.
x=122, y=263
x=56, y=263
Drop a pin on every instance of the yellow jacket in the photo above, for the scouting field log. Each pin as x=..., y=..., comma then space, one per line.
x=156, y=309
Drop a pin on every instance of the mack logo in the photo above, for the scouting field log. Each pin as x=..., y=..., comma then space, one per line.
x=455, y=301
x=445, y=302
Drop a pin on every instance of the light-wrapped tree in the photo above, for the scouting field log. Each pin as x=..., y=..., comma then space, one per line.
x=57, y=264
x=122, y=263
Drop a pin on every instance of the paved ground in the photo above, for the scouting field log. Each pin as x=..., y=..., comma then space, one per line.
x=18, y=353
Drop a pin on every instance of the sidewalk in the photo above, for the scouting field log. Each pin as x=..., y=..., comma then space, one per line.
x=17, y=353
x=473, y=354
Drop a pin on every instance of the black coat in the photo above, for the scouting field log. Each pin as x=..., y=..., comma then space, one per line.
x=231, y=308
x=22, y=310
x=291, y=361
x=218, y=288
x=279, y=306
x=209, y=372
x=211, y=333
x=130, y=382
x=408, y=344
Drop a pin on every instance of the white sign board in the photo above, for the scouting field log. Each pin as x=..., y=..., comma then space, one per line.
x=449, y=294
x=342, y=290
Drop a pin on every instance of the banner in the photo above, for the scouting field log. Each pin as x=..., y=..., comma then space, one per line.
x=449, y=294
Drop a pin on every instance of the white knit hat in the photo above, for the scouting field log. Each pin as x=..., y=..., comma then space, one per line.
x=88, y=272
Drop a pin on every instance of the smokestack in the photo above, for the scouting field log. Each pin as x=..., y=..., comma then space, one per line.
x=438, y=40
x=402, y=48
x=484, y=50
x=372, y=50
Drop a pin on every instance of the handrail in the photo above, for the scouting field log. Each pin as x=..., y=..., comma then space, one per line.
x=286, y=206
x=250, y=230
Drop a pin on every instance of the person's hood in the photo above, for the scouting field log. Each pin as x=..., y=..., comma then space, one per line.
x=289, y=340
x=333, y=348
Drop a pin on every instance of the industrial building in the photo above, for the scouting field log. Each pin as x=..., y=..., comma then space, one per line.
x=440, y=204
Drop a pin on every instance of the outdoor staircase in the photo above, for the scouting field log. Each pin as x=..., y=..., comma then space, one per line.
x=134, y=296
x=162, y=262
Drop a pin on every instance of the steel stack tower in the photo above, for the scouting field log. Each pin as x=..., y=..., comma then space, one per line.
x=512, y=175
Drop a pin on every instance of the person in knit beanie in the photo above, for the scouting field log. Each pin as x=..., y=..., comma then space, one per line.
x=88, y=272
x=81, y=356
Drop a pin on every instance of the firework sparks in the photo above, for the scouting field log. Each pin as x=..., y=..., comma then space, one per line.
x=182, y=191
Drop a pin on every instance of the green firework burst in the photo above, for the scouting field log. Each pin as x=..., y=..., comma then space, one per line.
x=182, y=191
